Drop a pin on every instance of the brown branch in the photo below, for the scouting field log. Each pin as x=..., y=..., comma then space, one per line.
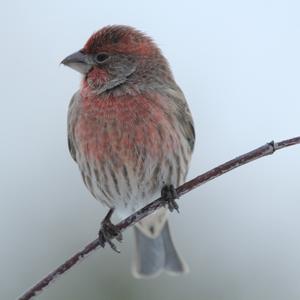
x=262, y=151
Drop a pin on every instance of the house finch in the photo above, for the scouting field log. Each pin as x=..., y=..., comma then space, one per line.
x=131, y=133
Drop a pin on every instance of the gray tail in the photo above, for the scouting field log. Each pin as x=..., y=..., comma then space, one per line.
x=154, y=255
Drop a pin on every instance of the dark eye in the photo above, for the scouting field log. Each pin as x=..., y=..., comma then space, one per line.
x=101, y=57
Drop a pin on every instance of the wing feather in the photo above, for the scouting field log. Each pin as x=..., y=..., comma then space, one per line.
x=72, y=118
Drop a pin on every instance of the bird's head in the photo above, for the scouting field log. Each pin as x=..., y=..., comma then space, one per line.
x=117, y=54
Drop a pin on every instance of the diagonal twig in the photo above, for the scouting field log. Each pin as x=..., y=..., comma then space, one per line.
x=260, y=152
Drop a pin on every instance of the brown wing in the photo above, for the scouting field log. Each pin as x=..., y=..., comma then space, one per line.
x=188, y=128
x=72, y=118
x=183, y=115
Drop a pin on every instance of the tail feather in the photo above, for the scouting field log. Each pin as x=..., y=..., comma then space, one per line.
x=156, y=254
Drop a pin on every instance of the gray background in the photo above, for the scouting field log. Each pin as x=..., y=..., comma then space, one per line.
x=238, y=64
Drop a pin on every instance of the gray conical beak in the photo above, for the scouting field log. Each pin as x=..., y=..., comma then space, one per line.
x=78, y=61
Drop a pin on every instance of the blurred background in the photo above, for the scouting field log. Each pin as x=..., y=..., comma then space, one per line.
x=238, y=63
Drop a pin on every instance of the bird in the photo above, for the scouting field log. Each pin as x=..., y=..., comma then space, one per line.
x=131, y=132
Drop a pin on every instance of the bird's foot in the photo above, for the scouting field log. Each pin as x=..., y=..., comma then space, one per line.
x=169, y=194
x=109, y=231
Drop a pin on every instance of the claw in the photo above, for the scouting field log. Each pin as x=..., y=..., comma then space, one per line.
x=109, y=231
x=168, y=192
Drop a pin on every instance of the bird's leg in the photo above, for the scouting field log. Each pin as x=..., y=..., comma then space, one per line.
x=169, y=194
x=109, y=231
